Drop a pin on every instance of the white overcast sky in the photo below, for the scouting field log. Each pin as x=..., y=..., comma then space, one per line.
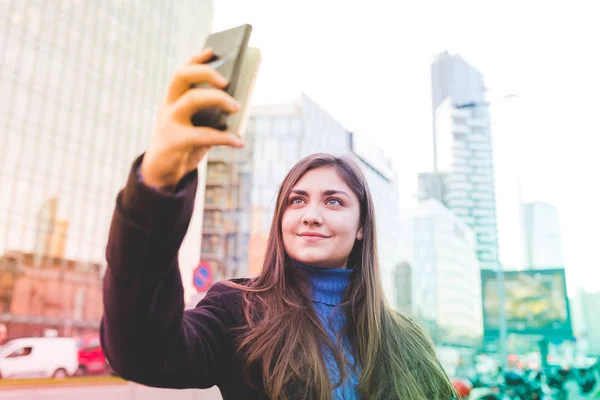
x=367, y=63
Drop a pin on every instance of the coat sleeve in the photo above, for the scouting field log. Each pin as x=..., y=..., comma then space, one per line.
x=146, y=335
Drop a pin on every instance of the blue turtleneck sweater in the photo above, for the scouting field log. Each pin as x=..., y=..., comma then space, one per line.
x=329, y=286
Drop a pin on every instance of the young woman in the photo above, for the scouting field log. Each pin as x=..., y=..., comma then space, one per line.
x=313, y=325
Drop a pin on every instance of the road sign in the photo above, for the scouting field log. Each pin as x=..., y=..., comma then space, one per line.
x=203, y=276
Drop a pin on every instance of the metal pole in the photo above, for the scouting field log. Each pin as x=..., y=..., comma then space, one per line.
x=503, y=329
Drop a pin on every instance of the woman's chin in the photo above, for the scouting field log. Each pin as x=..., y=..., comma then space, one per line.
x=314, y=260
x=319, y=261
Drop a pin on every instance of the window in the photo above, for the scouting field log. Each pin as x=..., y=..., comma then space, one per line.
x=12, y=50
x=20, y=104
x=216, y=172
x=22, y=352
x=230, y=246
x=211, y=244
x=263, y=124
x=215, y=196
x=281, y=125
x=213, y=220
x=28, y=62
x=295, y=125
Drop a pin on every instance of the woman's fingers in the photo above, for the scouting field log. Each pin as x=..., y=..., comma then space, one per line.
x=204, y=136
x=196, y=99
x=193, y=74
x=202, y=57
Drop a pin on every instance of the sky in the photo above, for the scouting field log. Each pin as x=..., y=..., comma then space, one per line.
x=368, y=64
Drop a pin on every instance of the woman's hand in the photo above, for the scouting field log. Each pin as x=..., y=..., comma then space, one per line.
x=177, y=147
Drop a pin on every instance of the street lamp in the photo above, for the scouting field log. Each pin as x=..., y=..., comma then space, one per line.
x=502, y=324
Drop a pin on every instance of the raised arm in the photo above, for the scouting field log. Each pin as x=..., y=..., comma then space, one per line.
x=146, y=335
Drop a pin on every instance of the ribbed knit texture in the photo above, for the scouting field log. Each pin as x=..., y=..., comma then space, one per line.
x=329, y=286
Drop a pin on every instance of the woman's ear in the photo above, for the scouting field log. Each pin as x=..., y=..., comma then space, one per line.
x=359, y=234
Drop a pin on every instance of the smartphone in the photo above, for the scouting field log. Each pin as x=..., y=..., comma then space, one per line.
x=236, y=123
x=239, y=65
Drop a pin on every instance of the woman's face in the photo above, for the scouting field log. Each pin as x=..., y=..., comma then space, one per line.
x=321, y=221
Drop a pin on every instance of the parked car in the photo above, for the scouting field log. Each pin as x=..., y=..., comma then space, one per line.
x=39, y=357
x=90, y=355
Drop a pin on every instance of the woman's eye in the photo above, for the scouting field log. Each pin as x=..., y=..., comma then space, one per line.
x=334, y=202
x=296, y=200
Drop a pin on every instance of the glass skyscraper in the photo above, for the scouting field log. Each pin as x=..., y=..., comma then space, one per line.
x=463, y=152
x=80, y=83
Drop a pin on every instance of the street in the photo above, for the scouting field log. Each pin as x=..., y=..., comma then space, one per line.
x=132, y=391
x=128, y=391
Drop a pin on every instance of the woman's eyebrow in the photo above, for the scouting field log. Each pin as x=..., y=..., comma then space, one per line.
x=330, y=192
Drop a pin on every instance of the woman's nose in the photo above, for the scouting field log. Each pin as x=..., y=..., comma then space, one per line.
x=312, y=216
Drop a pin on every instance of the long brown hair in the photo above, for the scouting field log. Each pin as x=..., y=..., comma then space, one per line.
x=283, y=337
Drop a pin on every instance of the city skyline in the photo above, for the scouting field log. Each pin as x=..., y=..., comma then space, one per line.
x=541, y=178
x=392, y=101
x=82, y=83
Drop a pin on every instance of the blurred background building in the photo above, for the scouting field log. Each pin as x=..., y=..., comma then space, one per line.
x=464, y=153
x=227, y=208
x=542, y=237
x=463, y=176
x=453, y=78
x=57, y=293
x=586, y=324
x=446, y=288
x=80, y=84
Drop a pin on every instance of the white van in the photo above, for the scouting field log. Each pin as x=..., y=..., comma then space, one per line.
x=40, y=357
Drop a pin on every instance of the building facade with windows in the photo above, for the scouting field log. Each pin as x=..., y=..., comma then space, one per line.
x=81, y=82
x=226, y=219
x=465, y=157
x=445, y=279
x=463, y=176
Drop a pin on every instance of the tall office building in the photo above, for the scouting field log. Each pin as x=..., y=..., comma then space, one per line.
x=463, y=151
x=283, y=134
x=446, y=285
x=453, y=77
x=81, y=82
x=543, y=243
